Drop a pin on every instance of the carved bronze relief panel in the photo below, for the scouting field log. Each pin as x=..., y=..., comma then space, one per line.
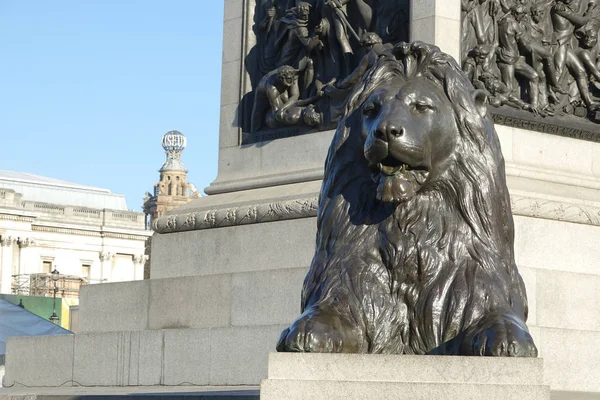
x=308, y=55
x=538, y=62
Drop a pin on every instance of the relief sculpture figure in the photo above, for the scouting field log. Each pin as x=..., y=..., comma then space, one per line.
x=297, y=43
x=539, y=53
x=587, y=53
x=277, y=103
x=414, y=248
x=511, y=32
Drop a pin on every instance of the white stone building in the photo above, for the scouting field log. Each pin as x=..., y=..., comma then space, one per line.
x=81, y=231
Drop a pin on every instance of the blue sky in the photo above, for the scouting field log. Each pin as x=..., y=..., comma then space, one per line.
x=88, y=88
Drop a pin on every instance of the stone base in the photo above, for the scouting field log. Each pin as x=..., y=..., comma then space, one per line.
x=167, y=357
x=385, y=377
x=133, y=392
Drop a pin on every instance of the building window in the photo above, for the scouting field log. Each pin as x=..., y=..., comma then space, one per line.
x=46, y=267
x=85, y=271
x=123, y=269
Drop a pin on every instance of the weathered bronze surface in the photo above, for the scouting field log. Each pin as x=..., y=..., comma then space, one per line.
x=535, y=55
x=414, y=250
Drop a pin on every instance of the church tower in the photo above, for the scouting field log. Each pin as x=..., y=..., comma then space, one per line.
x=172, y=190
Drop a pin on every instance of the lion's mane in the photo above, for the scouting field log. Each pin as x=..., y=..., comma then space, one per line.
x=446, y=255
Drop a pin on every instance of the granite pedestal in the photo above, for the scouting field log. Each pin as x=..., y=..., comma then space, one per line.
x=385, y=377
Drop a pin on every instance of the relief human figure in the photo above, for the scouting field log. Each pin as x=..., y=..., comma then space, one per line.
x=267, y=18
x=511, y=35
x=539, y=53
x=500, y=95
x=478, y=61
x=587, y=53
x=297, y=44
x=277, y=101
x=275, y=90
x=479, y=23
x=566, y=17
x=341, y=27
x=373, y=45
x=349, y=19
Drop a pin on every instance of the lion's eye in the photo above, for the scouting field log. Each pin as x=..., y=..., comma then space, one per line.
x=371, y=109
x=422, y=107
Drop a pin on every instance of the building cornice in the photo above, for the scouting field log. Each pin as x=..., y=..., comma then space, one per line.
x=65, y=231
x=113, y=235
x=91, y=233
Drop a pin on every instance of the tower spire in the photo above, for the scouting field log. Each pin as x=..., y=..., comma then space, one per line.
x=173, y=189
x=174, y=143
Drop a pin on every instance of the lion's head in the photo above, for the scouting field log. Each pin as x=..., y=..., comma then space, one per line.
x=416, y=110
x=413, y=127
x=408, y=128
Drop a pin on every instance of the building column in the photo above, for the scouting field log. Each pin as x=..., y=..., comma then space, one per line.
x=437, y=22
x=25, y=261
x=138, y=266
x=105, y=265
x=6, y=259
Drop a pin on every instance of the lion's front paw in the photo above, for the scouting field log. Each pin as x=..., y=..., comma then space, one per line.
x=318, y=333
x=503, y=336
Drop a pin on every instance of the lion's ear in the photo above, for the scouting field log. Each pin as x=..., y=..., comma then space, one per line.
x=480, y=97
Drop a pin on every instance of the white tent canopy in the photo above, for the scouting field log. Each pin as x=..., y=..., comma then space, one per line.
x=17, y=321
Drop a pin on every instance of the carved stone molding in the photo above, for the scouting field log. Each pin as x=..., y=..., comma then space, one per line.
x=140, y=259
x=570, y=126
x=26, y=242
x=527, y=206
x=105, y=256
x=556, y=210
x=267, y=212
x=7, y=241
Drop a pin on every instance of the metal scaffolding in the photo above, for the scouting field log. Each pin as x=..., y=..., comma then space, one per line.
x=41, y=284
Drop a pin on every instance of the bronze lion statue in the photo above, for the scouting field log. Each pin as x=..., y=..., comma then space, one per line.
x=414, y=250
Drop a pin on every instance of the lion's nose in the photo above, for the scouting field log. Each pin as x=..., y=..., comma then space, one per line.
x=388, y=131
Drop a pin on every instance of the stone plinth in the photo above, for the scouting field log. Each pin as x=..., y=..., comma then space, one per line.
x=382, y=377
x=169, y=357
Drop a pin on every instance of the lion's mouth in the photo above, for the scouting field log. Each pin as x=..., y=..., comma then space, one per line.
x=397, y=181
x=391, y=166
